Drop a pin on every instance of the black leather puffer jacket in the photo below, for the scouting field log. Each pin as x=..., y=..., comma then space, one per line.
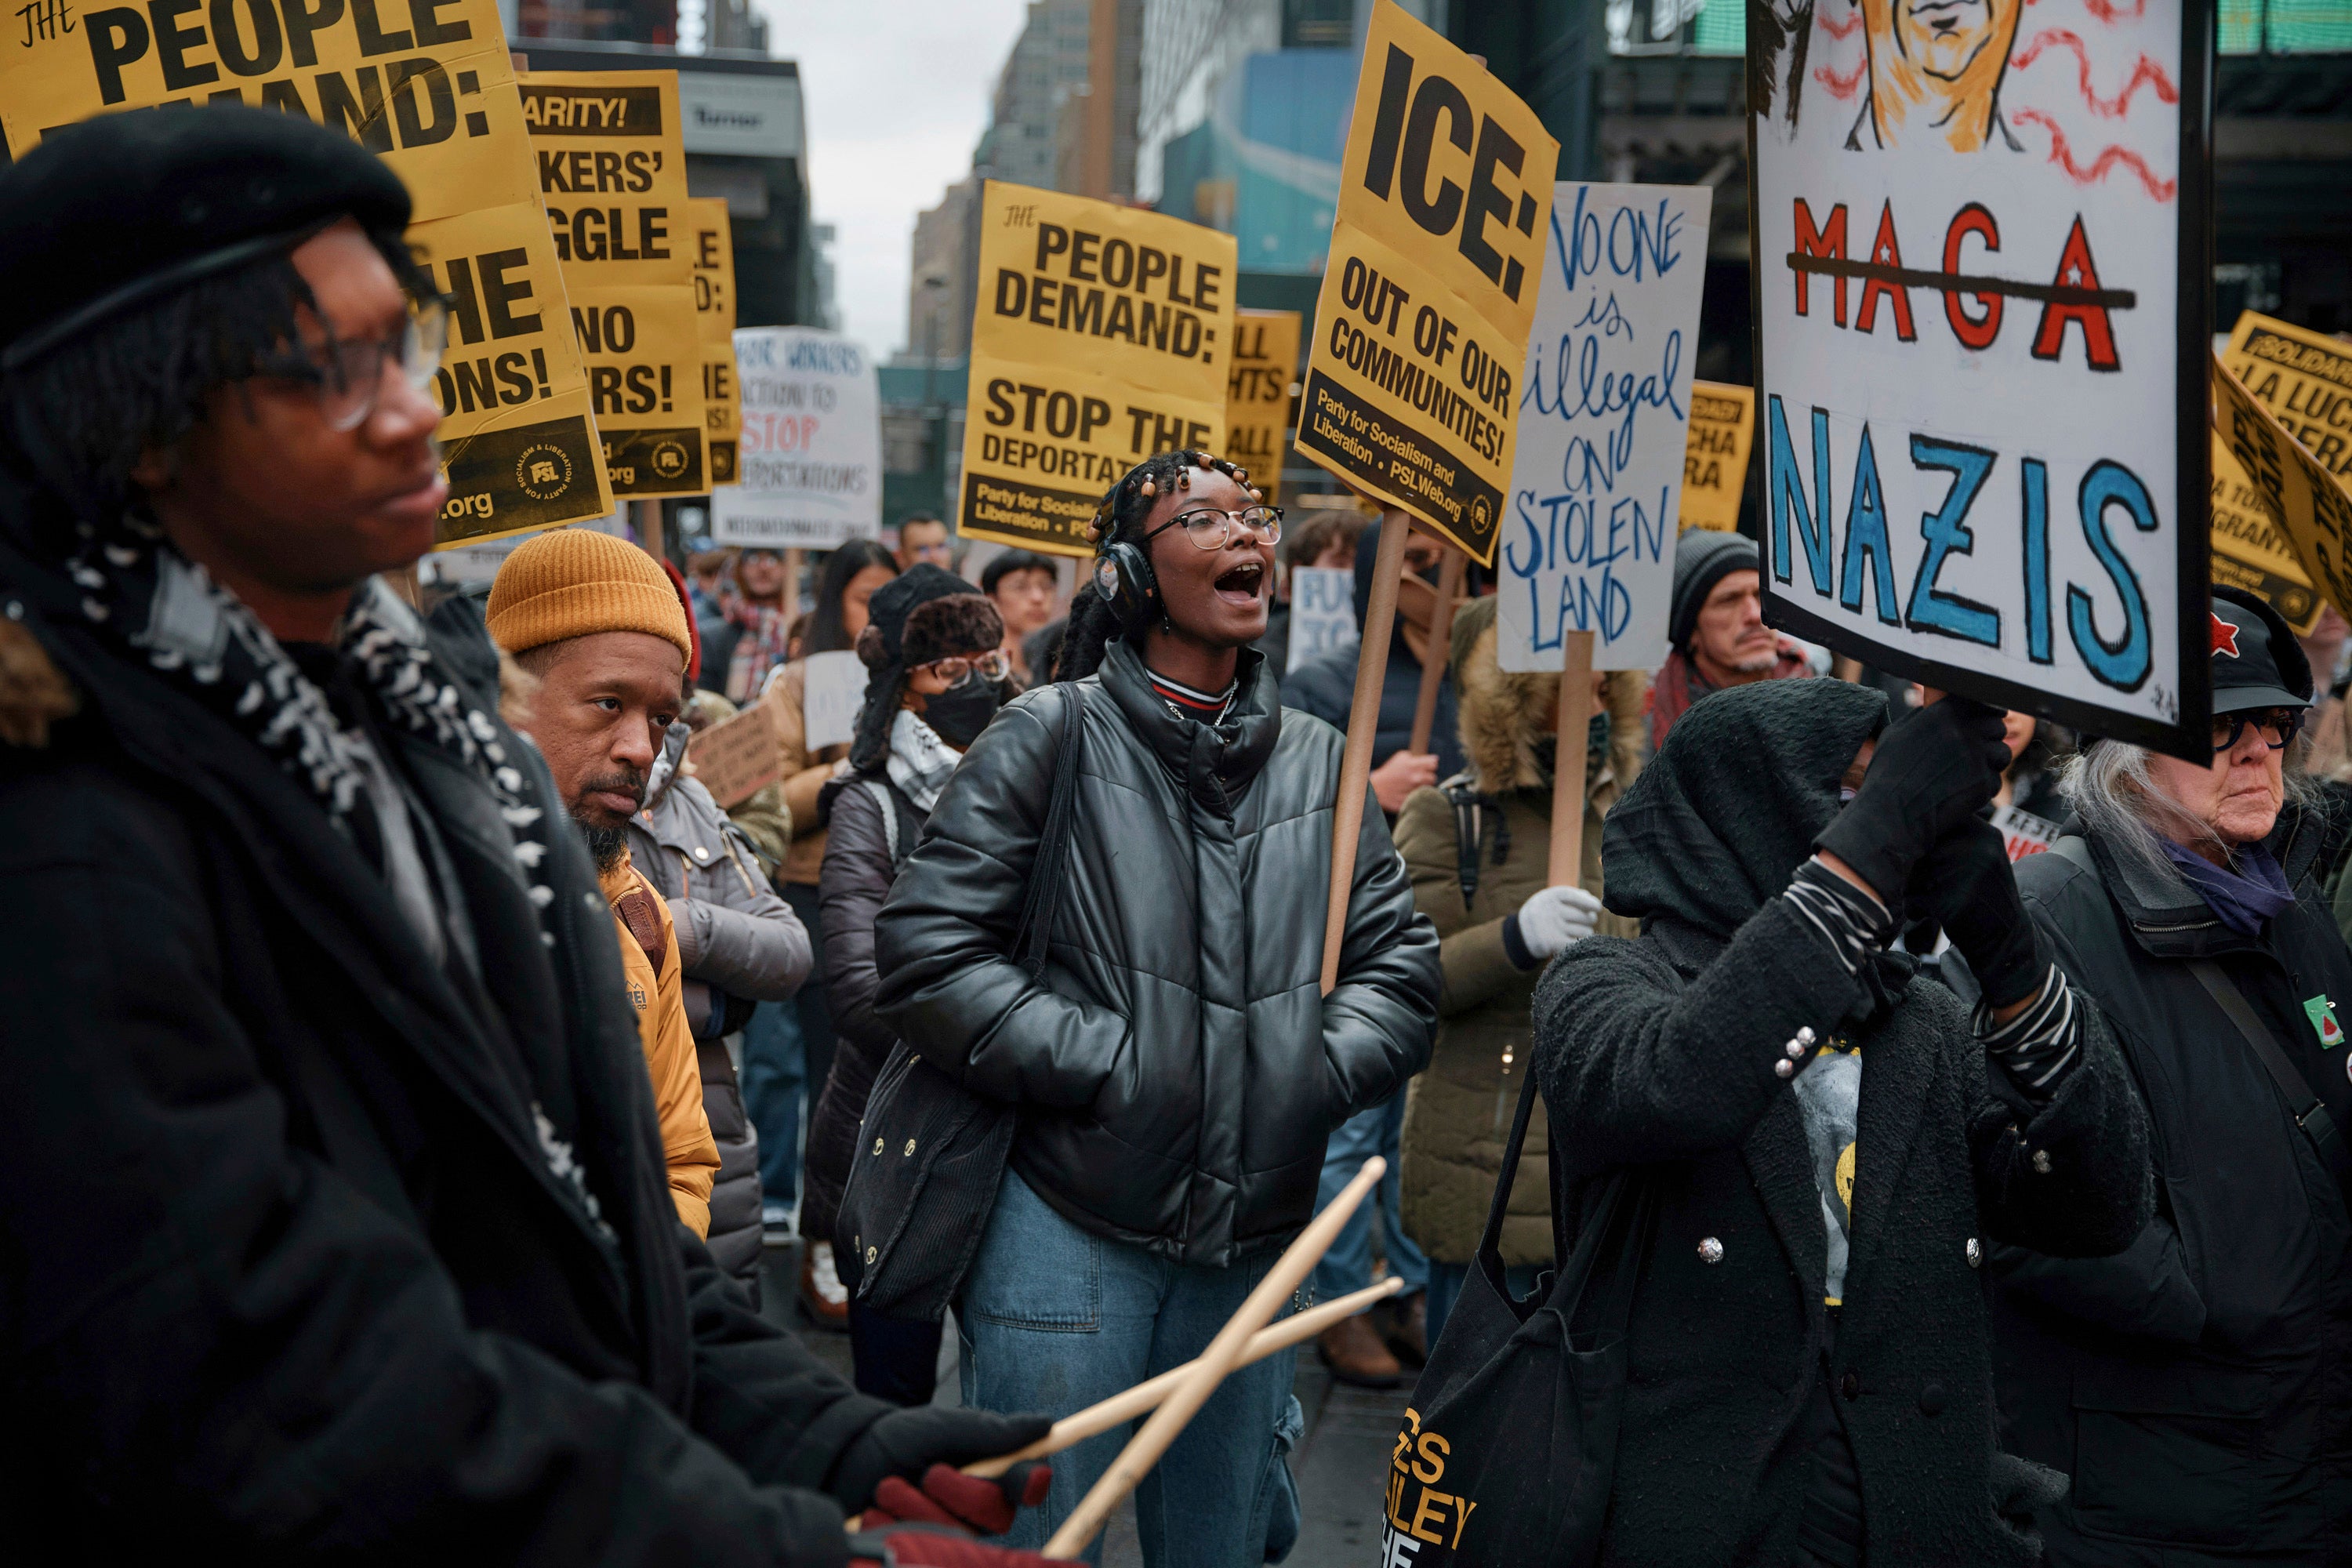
x=1178, y=1070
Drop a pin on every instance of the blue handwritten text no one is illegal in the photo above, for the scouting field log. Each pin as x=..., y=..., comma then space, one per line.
x=1594, y=381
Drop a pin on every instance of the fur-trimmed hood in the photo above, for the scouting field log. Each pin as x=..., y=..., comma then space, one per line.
x=1504, y=715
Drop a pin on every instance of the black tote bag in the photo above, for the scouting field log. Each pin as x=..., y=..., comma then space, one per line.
x=1507, y=1451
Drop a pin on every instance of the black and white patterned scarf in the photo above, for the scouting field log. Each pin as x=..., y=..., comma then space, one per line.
x=137, y=590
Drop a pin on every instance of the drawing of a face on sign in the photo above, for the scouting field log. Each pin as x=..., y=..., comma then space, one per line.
x=1935, y=72
x=1979, y=228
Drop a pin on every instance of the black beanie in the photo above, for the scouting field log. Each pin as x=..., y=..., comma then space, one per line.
x=883, y=642
x=1703, y=558
x=106, y=216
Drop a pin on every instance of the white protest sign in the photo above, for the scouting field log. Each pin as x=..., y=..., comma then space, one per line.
x=832, y=692
x=1322, y=612
x=1982, y=392
x=1604, y=419
x=809, y=471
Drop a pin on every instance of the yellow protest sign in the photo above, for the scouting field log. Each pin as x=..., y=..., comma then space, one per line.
x=1257, y=395
x=612, y=172
x=1715, y=454
x=427, y=85
x=2289, y=485
x=2249, y=551
x=1430, y=290
x=2304, y=379
x=1102, y=336
x=713, y=254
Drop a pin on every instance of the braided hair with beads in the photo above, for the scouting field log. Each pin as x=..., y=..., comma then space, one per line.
x=1118, y=520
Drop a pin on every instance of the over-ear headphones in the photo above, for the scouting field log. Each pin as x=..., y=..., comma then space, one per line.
x=1124, y=579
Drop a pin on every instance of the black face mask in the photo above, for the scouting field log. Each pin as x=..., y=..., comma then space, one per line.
x=958, y=717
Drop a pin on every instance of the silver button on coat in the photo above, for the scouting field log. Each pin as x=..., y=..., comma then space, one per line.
x=1710, y=1250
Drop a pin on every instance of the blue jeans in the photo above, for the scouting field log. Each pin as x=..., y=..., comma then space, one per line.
x=1347, y=1266
x=775, y=1077
x=1446, y=1282
x=1054, y=1319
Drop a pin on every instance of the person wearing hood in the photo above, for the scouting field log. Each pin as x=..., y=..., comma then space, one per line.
x=1716, y=635
x=2200, y=1385
x=738, y=946
x=337, y=1223
x=938, y=674
x=1175, y=1065
x=1477, y=849
x=1830, y=1140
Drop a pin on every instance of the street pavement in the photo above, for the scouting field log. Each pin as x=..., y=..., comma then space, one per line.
x=1339, y=1465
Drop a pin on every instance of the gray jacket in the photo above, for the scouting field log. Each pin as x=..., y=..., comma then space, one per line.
x=736, y=939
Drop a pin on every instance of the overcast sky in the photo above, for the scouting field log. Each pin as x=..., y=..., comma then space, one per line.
x=897, y=94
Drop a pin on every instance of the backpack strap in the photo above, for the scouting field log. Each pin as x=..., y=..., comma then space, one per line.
x=1035, y=934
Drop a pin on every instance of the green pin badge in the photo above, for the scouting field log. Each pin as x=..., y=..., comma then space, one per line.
x=2321, y=1012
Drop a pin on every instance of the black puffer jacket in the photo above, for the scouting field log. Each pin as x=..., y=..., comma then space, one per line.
x=2200, y=1385
x=858, y=869
x=1177, y=1068
x=1660, y=1053
x=284, y=1270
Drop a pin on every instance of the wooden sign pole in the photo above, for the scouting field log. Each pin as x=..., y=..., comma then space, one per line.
x=1567, y=762
x=1434, y=657
x=1224, y=1353
x=1363, y=722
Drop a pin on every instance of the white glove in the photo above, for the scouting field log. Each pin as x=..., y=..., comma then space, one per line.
x=1554, y=918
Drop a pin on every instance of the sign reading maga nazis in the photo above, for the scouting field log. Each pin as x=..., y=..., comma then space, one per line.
x=1980, y=236
x=1102, y=336
x=612, y=172
x=427, y=85
x=1412, y=392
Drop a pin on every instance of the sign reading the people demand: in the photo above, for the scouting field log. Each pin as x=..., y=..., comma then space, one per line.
x=426, y=84
x=1103, y=335
x=713, y=253
x=612, y=172
x=1605, y=414
x=810, y=475
x=1980, y=236
x=1257, y=395
x=1715, y=461
x=2250, y=552
x=1413, y=388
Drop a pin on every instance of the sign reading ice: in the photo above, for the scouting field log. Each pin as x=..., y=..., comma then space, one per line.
x=1588, y=539
x=1980, y=235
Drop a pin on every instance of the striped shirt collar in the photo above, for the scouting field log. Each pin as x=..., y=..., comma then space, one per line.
x=1188, y=702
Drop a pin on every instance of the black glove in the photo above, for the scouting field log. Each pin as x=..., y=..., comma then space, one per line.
x=1967, y=883
x=1933, y=770
x=907, y=1443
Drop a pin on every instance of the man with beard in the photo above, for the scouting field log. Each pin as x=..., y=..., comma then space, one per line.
x=1716, y=634
x=596, y=622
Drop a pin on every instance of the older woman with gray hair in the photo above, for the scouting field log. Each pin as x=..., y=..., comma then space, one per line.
x=2198, y=1385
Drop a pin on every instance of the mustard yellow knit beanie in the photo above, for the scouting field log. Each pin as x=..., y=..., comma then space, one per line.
x=570, y=581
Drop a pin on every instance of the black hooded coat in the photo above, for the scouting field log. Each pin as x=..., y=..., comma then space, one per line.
x=1659, y=1053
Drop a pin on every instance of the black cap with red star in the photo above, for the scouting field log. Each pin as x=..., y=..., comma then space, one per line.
x=2257, y=663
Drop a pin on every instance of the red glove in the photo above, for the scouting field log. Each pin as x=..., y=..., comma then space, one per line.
x=958, y=1501
x=934, y=1546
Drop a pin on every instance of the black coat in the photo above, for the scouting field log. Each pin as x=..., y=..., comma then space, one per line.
x=1660, y=1054
x=1326, y=686
x=855, y=878
x=284, y=1268
x=2200, y=1385
x=1177, y=1069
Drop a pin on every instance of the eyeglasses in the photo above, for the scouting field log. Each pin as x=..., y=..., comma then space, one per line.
x=954, y=671
x=2277, y=726
x=1210, y=528
x=348, y=377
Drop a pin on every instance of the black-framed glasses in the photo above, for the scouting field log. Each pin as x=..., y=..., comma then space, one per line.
x=2277, y=726
x=1210, y=528
x=954, y=671
x=347, y=375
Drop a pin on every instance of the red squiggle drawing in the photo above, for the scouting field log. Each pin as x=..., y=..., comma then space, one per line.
x=1841, y=86
x=1853, y=22
x=2147, y=72
x=2108, y=11
x=2063, y=155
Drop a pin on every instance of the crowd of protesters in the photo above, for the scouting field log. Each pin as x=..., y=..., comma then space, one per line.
x=415, y=1062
